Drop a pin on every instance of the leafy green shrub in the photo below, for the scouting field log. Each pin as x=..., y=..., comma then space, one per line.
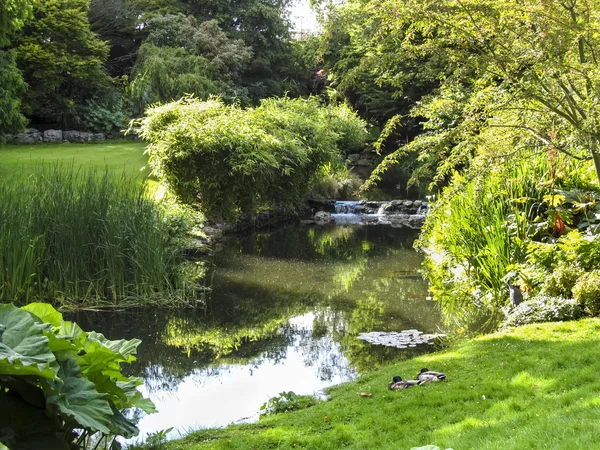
x=286, y=402
x=562, y=280
x=587, y=291
x=60, y=385
x=236, y=161
x=544, y=309
x=101, y=115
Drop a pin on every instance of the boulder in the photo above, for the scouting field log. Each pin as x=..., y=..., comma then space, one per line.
x=364, y=163
x=354, y=158
x=98, y=137
x=9, y=138
x=31, y=136
x=53, y=136
x=77, y=136
x=323, y=217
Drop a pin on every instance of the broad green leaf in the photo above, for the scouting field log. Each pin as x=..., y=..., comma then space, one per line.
x=24, y=348
x=45, y=312
x=3, y=447
x=123, y=347
x=23, y=419
x=98, y=358
x=135, y=399
x=78, y=399
x=122, y=426
x=72, y=331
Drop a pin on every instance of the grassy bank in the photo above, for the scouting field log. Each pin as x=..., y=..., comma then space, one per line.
x=117, y=157
x=533, y=387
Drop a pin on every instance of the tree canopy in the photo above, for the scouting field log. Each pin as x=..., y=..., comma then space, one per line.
x=528, y=68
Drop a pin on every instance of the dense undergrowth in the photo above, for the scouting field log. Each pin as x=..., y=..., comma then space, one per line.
x=532, y=222
x=80, y=237
x=530, y=387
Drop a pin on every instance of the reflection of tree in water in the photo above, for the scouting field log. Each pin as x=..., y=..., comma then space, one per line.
x=353, y=280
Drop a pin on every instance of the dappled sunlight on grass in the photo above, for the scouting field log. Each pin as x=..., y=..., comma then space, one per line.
x=534, y=388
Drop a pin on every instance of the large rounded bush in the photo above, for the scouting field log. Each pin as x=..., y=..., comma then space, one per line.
x=235, y=161
x=587, y=291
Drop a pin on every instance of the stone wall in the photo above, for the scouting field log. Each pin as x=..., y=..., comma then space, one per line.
x=33, y=136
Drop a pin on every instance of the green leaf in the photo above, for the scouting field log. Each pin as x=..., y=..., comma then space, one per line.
x=122, y=426
x=45, y=312
x=134, y=397
x=78, y=399
x=24, y=349
x=123, y=347
x=26, y=390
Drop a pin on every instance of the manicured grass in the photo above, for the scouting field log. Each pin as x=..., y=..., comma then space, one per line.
x=117, y=157
x=536, y=387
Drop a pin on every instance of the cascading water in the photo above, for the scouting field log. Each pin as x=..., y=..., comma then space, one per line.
x=396, y=213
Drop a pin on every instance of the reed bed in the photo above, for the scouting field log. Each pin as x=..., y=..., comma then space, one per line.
x=85, y=237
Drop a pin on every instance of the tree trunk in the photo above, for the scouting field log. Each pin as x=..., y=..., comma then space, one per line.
x=596, y=157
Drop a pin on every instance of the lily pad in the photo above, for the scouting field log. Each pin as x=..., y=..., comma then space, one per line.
x=399, y=339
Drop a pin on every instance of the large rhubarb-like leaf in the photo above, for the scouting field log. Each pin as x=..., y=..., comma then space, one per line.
x=78, y=399
x=24, y=348
x=122, y=426
x=135, y=399
x=123, y=347
x=45, y=312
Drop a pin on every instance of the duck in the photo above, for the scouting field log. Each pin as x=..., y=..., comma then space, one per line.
x=428, y=376
x=398, y=383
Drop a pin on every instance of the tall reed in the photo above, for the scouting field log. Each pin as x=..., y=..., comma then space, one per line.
x=86, y=237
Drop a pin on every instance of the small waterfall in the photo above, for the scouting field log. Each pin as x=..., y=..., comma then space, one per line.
x=346, y=207
x=396, y=213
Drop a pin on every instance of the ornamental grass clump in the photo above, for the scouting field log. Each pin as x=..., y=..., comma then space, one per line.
x=84, y=237
x=234, y=162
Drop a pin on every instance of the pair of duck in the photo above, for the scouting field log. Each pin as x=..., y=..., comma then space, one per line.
x=424, y=376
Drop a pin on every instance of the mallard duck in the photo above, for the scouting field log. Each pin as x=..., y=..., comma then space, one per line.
x=427, y=376
x=399, y=383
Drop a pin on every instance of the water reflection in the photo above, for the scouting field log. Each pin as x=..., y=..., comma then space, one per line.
x=284, y=313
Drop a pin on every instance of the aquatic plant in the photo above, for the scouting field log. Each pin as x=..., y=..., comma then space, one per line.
x=286, y=402
x=62, y=386
x=85, y=237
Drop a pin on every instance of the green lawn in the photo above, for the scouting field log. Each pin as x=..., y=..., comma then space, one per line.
x=119, y=156
x=536, y=387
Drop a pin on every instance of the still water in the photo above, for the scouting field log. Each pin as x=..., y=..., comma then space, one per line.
x=284, y=314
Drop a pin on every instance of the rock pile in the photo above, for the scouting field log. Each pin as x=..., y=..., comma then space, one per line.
x=34, y=136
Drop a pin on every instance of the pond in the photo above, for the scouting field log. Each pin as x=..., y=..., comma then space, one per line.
x=284, y=314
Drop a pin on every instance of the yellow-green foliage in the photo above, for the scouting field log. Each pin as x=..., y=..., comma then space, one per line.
x=587, y=291
x=562, y=280
x=235, y=161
